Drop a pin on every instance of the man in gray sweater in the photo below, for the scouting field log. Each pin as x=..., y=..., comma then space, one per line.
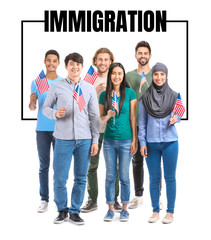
x=76, y=132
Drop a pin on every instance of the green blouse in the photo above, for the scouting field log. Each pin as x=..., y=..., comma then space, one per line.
x=119, y=127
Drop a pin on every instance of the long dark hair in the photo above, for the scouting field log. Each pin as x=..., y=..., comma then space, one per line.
x=109, y=88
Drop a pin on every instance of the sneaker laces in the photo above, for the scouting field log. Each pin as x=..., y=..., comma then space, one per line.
x=124, y=213
x=134, y=200
x=110, y=213
x=87, y=203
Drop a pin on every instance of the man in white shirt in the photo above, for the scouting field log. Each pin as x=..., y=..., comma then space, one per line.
x=102, y=59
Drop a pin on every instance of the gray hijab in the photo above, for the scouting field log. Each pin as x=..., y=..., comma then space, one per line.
x=159, y=100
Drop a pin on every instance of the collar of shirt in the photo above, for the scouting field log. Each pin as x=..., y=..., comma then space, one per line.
x=70, y=82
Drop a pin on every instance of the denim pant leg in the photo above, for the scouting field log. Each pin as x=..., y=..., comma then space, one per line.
x=62, y=159
x=153, y=161
x=82, y=155
x=44, y=140
x=124, y=165
x=110, y=156
x=170, y=155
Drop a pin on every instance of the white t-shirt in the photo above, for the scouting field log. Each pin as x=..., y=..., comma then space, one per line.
x=96, y=83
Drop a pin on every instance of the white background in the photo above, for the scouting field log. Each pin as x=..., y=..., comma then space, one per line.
x=19, y=162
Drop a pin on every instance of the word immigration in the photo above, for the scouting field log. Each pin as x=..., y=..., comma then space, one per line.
x=105, y=21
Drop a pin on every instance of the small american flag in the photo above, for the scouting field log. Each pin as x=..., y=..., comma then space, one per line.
x=115, y=102
x=42, y=82
x=78, y=96
x=91, y=75
x=143, y=80
x=179, y=108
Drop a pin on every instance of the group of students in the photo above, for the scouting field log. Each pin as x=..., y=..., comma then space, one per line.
x=142, y=125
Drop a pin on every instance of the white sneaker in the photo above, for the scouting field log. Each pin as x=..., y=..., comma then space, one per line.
x=135, y=202
x=43, y=207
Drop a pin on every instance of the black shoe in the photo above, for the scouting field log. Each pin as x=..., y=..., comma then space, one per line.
x=90, y=206
x=117, y=206
x=62, y=217
x=75, y=218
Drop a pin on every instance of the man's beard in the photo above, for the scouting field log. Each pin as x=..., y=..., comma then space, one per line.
x=100, y=71
x=143, y=64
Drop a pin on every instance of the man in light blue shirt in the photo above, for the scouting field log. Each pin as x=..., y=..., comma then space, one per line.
x=76, y=134
x=45, y=126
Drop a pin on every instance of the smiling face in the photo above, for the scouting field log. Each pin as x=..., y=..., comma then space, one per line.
x=142, y=55
x=103, y=62
x=117, y=76
x=159, y=78
x=74, y=69
x=51, y=62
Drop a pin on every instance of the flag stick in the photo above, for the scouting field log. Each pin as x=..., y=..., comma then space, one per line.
x=35, y=89
x=67, y=104
x=114, y=115
x=171, y=117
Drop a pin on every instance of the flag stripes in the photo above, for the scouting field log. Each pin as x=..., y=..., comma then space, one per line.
x=78, y=96
x=115, y=104
x=179, y=108
x=91, y=75
x=42, y=82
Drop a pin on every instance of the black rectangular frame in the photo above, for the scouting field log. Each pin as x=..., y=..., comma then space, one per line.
x=168, y=21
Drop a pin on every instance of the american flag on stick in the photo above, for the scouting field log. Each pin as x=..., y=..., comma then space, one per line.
x=115, y=102
x=91, y=75
x=42, y=82
x=179, y=108
x=78, y=96
x=143, y=80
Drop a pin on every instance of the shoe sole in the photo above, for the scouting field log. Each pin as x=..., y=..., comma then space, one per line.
x=87, y=211
x=153, y=221
x=132, y=207
x=59, y=222
x=123, y=220
x=107, y=220
x=42, y=211
x=167, y=221
x=76, y=223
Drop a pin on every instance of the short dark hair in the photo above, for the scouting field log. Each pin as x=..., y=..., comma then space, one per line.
x=143, y=44
x=54, y=52
x=75, y=57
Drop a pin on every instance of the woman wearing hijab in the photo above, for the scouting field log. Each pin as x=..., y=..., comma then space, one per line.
x=158, y=137
x=119, y=137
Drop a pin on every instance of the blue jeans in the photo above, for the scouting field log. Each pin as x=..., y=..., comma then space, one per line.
x=169, y=153
x=112, y=150
x=64, y=150
x=44, y=141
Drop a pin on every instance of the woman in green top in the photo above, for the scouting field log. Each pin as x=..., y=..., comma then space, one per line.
x=119, y=137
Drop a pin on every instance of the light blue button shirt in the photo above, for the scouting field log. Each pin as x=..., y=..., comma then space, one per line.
x=153, y=129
